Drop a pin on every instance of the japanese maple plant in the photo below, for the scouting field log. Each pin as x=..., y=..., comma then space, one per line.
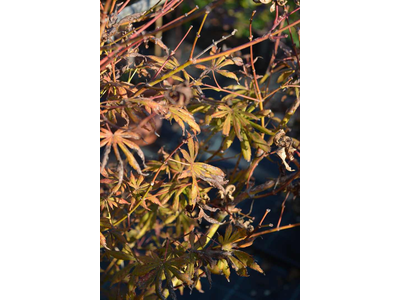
x=167, y=223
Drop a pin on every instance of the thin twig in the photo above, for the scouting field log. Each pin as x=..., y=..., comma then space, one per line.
x=257, y=89
x=123, y=6
x=198, y=33
x=230, y=92
x=106, y=60
x=171, y=54
x=215, y=44
x=283, y=208
x=275, y=229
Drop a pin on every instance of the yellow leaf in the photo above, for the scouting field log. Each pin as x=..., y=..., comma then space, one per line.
x=245, y=145
x=227, y=125
x=180, y=114
x=228, y=74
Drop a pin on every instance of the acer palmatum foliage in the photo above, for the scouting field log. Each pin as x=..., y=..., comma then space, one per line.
x=150, y=239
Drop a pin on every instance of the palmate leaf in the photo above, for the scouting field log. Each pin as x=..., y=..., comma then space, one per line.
x=218, y=64
x=171, y=167
x=197, y=170
x=237, y=259
x=230, y=239
x=153, y=269
x=247, y=260
x=120, y=140
x=171, y=192
x=238, y=117
x=181, y=116
x=121, y=274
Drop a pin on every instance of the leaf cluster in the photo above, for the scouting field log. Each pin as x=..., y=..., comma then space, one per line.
x=152, y=239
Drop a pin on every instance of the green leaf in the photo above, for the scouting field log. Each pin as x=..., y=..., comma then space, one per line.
x=246, y=149
x=121, y=274
x=158, y=285
x=228, y=140
x=180, y=275
x=223, y=265
x=141, y=270
x=120, y=255
x=259, y=142
x=247, y=260
x=284, y=76
x=170, y=285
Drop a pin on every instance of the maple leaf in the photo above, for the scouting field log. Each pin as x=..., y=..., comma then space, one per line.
x=218, y=64
x=151, y=106
x=181, y=115
x=230, y=239
x=120, y=140
x=138, y=188
x=210, y=174
x=153, y=269
x=238, y=117
x=237, y=259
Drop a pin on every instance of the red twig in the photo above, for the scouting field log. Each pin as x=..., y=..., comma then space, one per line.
x=276, y=14
x=283, y=208
x=215, y=79
x=262, y=220
x=103, y=18
x=275, y=229
x=171, y=54
x=165, y=4
x=123, y=6
x=293, y=44
x=106, y=60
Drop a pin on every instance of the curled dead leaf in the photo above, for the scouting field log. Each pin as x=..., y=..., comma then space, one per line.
x=281, y=152
x=179, y=95
x=285, y=149
x=227, y=192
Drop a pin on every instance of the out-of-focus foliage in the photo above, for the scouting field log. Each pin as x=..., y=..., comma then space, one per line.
x=238, y=12
x=153, y=242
